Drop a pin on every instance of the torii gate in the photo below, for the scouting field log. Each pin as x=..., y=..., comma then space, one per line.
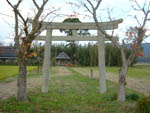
x=49, y=26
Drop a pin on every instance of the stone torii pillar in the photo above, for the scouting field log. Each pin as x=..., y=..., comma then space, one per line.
x=101, y=63
x=46, y=64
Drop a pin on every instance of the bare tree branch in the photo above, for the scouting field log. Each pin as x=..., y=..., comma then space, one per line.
x=145, y=18
x=99, y=27
x=36, y=24
x=51, y=12
x=137, y=20
x=10, y=4
x=99, y=2
x=14, y=6
x=37, y=6
x=110, y=18
x=17, y=34
x=40, y=11
x=88, y=8
x=91, y=4
x=137, y=4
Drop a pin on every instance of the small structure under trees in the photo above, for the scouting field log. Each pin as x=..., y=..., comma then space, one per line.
x=63, y=59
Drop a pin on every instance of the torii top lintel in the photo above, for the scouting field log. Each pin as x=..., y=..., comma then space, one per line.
x=88, y=25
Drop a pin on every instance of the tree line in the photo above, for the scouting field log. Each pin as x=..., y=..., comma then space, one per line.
x=81, y=55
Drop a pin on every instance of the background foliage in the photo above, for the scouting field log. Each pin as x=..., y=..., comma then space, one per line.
x=81, y=55
x=87, y=55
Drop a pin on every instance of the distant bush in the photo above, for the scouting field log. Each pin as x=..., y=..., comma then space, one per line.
x=133, y=97
x=143, y=105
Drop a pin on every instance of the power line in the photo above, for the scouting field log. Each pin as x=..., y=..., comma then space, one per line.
x=6, y=15
x=9, y=16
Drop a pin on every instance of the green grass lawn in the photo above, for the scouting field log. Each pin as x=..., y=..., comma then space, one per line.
x=8, y=71
x=72, y=93
x=135, y=72
x=141, y=72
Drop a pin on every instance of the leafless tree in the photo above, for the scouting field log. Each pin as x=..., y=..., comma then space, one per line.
x=136, y=37
x=23, y=39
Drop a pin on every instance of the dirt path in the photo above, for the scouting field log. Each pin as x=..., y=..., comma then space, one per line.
x=140, y=85
x=62, y=71
x=9, y=89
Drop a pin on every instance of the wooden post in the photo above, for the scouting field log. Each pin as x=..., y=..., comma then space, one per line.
x=101, y=62
x=92, y=74
x=46, y=64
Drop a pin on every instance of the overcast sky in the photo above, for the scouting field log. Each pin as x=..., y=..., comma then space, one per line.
x=121, y=9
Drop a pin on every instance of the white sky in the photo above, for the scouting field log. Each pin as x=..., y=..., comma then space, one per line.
x=121, y=9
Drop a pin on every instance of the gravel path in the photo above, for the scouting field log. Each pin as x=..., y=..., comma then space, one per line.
x=140, y=85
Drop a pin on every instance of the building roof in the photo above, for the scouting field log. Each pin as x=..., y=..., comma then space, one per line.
x=62, y=56
x=7, y=52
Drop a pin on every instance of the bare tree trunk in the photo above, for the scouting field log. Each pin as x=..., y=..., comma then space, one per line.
x=122, y=83
x=137, y=35
x=109, y=59
x=23, y=40
x=22, y=84
x=122, y=78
